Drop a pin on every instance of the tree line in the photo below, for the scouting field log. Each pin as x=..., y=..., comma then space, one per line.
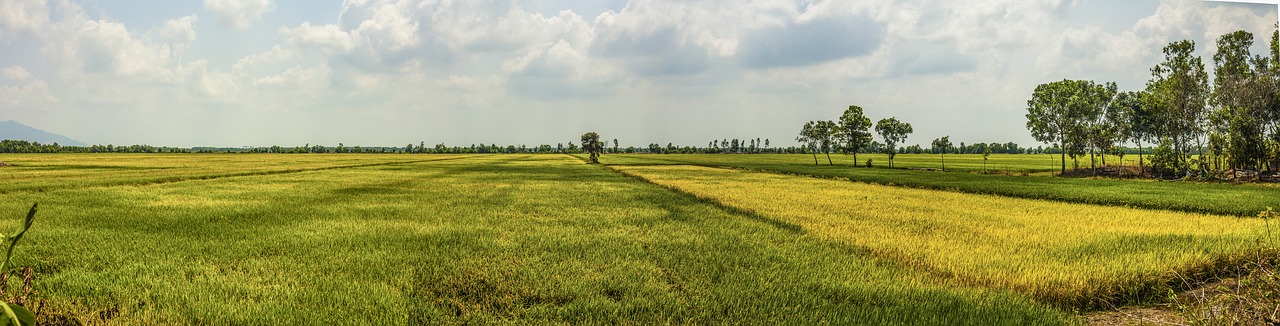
x=1197, y=128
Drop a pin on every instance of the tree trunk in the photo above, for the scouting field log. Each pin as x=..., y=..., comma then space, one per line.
x=1064, y=158
x=815, y=158
x=855, y=159
x=1142, y=169
x=829, y=159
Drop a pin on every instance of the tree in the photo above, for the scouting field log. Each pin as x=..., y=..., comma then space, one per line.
x=592, y=145
x=986, y=153
x=893, y=132
x=1180, y=86
x=852, y=134
x=942, y=144
x=1055, y=113
x=615, y=145
x=825, y=130
x=1242, y=94
x=809, y=138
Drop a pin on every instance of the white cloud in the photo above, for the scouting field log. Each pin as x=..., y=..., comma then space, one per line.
x=328, y=37
x=297, y=78
x=18, y=88
x=238, y=13
x=23, y=16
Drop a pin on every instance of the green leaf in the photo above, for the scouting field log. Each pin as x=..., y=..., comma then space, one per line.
x=24, y=315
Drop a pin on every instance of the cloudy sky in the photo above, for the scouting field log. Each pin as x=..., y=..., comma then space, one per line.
x=389, y=73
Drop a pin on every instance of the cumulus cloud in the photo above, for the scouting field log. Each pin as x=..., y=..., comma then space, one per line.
x=23, y=16
x=18, y=87
x=328, y=37
x=238, y=13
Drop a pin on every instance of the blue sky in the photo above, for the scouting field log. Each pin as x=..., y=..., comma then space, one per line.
x=389, y=73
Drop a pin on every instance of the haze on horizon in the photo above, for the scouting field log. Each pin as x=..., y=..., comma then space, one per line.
x=389, y=73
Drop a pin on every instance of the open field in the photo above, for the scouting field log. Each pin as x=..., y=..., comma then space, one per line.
x=1071, y=255
x=1213, y=198
x=444, y=239
x=486, y=239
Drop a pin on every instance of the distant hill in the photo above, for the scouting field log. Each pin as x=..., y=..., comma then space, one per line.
x=17, y=131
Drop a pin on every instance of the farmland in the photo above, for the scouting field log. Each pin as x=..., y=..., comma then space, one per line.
x=413, y=239
x=1213, y=198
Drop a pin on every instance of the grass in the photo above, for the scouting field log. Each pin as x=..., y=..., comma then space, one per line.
x=1211, y=198
x=300, y=239
x=1069, y=255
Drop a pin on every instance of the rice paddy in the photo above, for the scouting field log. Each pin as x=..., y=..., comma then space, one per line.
x=534, y=239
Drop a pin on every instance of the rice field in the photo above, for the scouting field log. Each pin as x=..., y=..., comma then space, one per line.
x=1071, y=255
x=1196, y=197
x=546, y=239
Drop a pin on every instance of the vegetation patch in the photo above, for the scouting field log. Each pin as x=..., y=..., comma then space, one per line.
x=1070, y=255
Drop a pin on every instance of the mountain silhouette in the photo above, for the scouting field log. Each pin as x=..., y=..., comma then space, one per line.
x=14, y=130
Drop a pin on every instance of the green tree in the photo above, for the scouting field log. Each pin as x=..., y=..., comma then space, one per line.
x=852, y=131
x=942, y=145
x=1242, y=94
x=592, y=145
x=826, y=133
x=809, y=138
x=1181, y=87
x=986, y=154
x=893, y=132
x=1055, y=115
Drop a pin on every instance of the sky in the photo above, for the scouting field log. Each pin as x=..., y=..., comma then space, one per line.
x=525, y=72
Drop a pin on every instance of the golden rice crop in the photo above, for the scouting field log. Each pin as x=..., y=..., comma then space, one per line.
x=1061, y=253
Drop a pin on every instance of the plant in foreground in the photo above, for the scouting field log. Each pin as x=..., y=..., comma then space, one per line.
x=15, y=314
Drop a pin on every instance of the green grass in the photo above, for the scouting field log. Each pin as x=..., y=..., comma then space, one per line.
x=284, y=239
x=1212, y=198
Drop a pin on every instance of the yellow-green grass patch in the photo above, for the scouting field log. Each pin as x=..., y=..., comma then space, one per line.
x=1066, y=254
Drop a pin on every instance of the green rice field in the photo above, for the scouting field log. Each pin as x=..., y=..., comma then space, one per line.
x=399, y=239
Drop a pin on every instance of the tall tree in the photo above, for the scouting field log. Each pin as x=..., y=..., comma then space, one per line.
x=825, y=130
x=592, y=145
x=1240, y=95
x=852, y=131
x=893, y=132
x=1054, y=115
x=942, y=145
x=1181, y=87
x=809, y=138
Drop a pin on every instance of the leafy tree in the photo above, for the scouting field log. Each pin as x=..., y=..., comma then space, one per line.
x=615, y=145
x=592, y=145
x=826, y=133
x=1180, y=86
x=893, y=132
x=852, y=133
x=809, y=137
x=1055, y=115
x=942, y=145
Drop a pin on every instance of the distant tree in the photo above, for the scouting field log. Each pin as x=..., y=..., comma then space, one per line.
x=893, y=132
x=766, y=143
x=942, y=145
x=826, y=133
x=809, y=138
x=592, y=145
x=852, y=133
x=615, y=145
x=986, y=153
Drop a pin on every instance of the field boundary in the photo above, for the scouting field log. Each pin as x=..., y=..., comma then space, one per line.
x=168, y=180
